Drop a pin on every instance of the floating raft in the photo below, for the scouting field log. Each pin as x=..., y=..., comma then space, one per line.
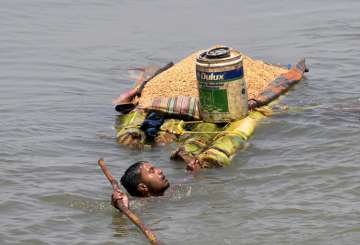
x=173, y=94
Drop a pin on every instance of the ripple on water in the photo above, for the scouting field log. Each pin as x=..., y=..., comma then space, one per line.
x=60, y=66
x=78, y=202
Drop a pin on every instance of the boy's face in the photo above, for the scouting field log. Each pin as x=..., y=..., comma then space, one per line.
x=153, y=178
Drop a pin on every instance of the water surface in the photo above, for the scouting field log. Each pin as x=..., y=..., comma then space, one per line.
x=61, y=64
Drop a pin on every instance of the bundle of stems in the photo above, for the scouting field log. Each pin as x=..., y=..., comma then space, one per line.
x=128, y=130
x=165, y=138
x=226, y=144
x=201, y=135
x=169, y=132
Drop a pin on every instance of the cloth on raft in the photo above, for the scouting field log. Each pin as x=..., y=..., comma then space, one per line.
x=280, y=85
x=181, y=106
x=152, y=124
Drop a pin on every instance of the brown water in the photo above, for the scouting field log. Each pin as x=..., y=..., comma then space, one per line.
x=61, y=64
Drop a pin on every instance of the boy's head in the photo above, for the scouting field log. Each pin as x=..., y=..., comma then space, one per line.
x=142, y=179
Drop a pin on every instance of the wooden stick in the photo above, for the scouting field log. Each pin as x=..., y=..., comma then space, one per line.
x=160, y=70
x=133, y=217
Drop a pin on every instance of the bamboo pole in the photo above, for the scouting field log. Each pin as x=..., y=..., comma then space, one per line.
x=128, y=213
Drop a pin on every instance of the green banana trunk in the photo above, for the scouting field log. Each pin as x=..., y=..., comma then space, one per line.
x=128, y=130
x=200, y=136
x=169, y=131
x=232, y=139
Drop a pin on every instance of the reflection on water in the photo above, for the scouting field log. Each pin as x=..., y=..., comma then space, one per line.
x=120, y=226
x=77, y=202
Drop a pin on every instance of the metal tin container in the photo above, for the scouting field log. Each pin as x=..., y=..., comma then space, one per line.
x=222, y=87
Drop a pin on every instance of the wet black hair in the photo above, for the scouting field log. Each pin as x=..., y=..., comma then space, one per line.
x=132, y=178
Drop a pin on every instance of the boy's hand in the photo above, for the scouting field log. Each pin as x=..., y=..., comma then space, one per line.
x=119, y=196
x=193, y=165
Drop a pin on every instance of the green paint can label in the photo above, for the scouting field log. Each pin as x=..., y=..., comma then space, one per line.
x=222, y=88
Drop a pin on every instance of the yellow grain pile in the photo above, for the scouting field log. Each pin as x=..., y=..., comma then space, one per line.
x=180, y=80
x=258, y=75
x=176, y=81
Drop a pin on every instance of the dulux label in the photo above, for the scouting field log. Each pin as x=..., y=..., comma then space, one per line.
x=211, y=76
x=220, y=76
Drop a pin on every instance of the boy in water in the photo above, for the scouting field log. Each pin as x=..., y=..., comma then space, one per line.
x=141, y=179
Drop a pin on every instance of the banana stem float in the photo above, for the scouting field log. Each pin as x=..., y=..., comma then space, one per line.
x=128, y=213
